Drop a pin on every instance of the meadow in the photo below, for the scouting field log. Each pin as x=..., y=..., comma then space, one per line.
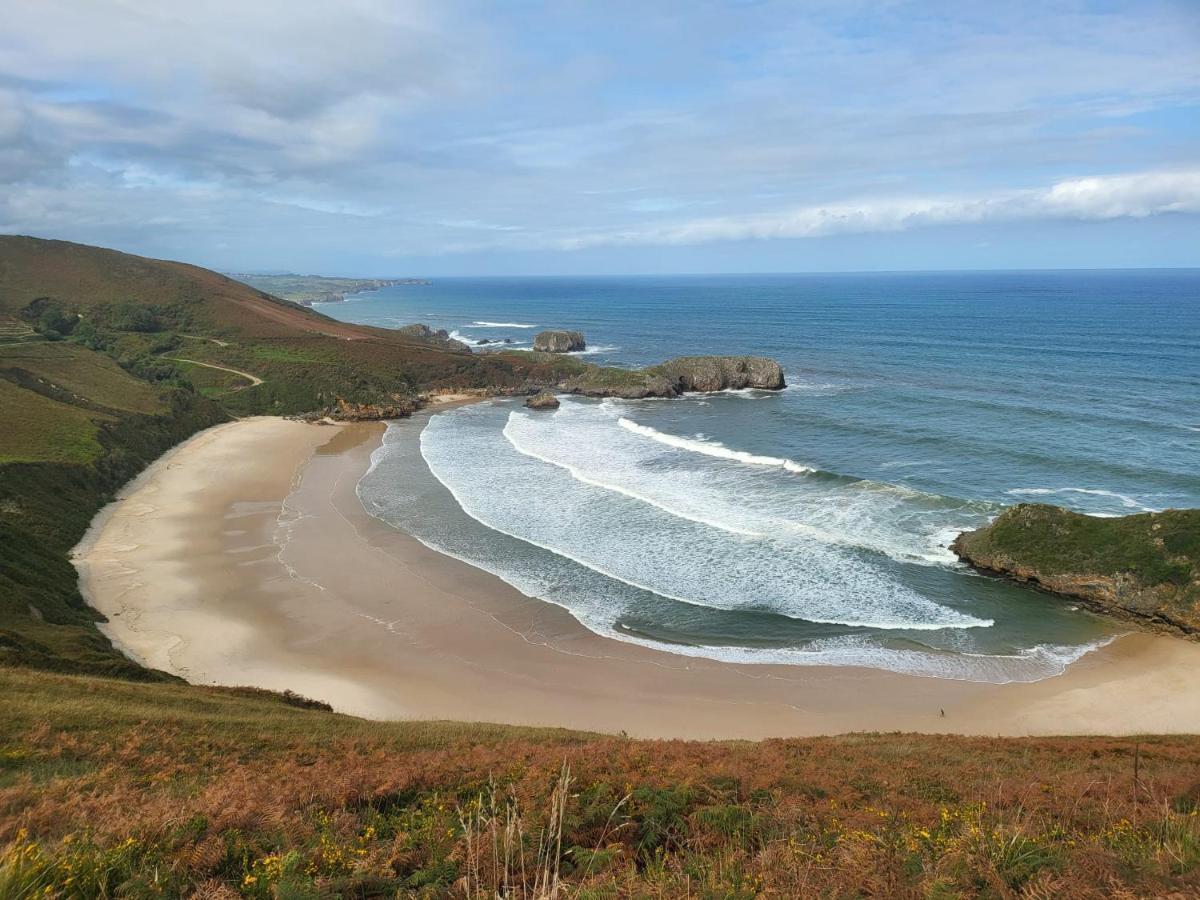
x=114, y=789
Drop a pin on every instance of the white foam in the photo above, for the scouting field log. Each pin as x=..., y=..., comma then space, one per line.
x=1125, y=500
x=713, y=448
x=1033, y=664
x=656, y=533
x=578, y=475
x=502, y=325
x=600, y=601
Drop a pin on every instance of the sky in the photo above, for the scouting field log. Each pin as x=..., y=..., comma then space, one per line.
x=391, y=138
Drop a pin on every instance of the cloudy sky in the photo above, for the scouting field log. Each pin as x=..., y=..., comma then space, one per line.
x=512, y=137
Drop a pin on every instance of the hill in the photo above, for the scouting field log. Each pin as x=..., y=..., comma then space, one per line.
x=113, y=789
x=147, y=313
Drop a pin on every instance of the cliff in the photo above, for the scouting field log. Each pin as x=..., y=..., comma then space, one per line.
x=559, y=341
x=1143, y=568
x=677, y=376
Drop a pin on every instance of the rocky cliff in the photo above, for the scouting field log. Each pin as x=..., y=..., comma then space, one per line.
x=678, y=376
x=399, y=408
x=441, y=337
x=1143, y=568
x=559, y=341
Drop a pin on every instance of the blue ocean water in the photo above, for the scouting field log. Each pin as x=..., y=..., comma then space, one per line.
x=808, y=526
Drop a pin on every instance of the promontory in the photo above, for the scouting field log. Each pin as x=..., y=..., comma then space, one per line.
x=1142, y=568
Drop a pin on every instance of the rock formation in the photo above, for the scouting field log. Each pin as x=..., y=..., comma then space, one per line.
x=559, y=341
x=440, y=337
x=677, y=376
x=398, y=408
x=1143, y=568
x=542, y=400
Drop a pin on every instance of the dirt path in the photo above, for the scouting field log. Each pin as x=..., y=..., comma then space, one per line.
x=254, y=379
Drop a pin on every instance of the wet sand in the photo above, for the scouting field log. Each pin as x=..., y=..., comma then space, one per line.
x=243, y=557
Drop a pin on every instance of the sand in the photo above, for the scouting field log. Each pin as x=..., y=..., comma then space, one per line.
x=243, y=557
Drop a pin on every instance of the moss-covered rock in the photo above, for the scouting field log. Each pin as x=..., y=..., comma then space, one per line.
x=542, y=400
x=1143, y=568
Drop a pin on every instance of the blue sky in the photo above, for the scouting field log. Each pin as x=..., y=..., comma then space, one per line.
x=391, y=138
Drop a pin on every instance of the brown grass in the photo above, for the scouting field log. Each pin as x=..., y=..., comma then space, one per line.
x=177, y=789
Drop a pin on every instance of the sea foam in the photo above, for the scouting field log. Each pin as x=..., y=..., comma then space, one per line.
x=661, y=541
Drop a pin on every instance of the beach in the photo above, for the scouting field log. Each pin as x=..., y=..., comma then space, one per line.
x=244, y=557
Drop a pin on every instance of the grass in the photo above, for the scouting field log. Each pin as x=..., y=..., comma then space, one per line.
x=1147, y=565
x=39, y=429
x=83, y=374
x=167, y=789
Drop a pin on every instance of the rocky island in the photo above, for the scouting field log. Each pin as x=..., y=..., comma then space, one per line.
x=1142, y=568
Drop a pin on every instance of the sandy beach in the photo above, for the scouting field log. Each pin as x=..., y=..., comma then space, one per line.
x=243, y=557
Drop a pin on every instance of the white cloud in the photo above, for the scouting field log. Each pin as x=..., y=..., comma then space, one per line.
x=1093, y=198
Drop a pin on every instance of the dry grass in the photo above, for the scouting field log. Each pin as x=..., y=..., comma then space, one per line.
x=168, y=790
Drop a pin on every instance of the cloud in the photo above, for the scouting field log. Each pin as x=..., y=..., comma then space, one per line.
x=292, y=129
x=1088, y=199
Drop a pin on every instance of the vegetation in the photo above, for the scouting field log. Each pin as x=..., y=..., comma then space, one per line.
x=111, y=789
x=1145, y=566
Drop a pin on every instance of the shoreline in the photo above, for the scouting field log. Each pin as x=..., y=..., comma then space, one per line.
x=243, y=557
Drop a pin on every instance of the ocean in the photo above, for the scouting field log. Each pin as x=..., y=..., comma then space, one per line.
x=808, y=526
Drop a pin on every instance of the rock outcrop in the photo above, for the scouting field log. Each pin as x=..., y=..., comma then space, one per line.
x=398, y=408
x=678, y=376
x=722, y=373
x=1143, y=568
x=542, y=400
x=559, y=341
x=440, y=337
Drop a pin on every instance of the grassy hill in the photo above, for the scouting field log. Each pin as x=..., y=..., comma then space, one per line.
x=112, y=789
x=108, y=359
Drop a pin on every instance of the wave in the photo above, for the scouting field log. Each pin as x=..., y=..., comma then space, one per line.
x=1125, y=500
x=649, y=545
x=714, y=448
x=1036, y=663
x=502, y=325
x=470, y=458
x=578, y=475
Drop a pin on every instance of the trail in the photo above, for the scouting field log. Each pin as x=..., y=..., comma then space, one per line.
x=255, y=381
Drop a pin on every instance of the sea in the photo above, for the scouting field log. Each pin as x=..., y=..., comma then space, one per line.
x=810, y=526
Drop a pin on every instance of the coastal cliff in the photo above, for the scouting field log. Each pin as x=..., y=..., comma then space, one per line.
x=1143, y=568
x=559, y=342
x=677, y=376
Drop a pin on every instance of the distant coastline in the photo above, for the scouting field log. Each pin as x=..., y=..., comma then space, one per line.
x=307, y=290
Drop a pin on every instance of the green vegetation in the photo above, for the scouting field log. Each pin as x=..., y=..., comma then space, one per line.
x=112, y=789
x=39, y=429
x=1145, y=566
